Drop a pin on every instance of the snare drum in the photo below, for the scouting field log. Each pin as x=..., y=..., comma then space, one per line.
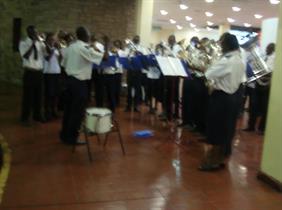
x=98, y=120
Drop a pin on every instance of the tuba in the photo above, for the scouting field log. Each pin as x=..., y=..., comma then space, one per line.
x=255, y=59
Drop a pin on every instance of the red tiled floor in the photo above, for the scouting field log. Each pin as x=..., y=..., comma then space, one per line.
x=155, y=174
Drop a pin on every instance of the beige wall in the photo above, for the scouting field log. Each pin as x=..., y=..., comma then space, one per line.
x=272, y=150
x=162, y=35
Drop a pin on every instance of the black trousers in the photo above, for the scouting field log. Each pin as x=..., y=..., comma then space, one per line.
x=110, y=86
x=76, y=101
x=98, y=79
x=145, y=87
x=32, y=94
x=188, y=114
x=221, y=115
x=118, y=80
x=51, y=90
x=134, y=83
x=172, y=97
x=259, y=106
x=199, y=103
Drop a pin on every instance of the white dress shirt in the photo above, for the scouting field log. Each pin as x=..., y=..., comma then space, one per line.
x=227, y=73
x=174, y=50
x=52, y=65
x=31, y=62
x=270, y=61
x=78, y=60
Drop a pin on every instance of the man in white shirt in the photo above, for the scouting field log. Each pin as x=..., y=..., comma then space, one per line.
x=78, y=60
x=171, y=105
x=261, y=94
x=52, y=71
x=32, y=52
x=226, y=76
x=134, y=76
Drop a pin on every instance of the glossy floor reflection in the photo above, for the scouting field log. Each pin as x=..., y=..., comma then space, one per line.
x=158, y=173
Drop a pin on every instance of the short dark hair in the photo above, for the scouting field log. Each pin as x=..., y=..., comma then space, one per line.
x=82, y=33
x=30, y=28
x=229, y=42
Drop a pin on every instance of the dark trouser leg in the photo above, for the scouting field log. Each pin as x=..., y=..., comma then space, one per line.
x=38, y=91
x=75, y=110
x=99, y=88
x=111, y=90
x=253, y=107
x=27, y=95
x=137, y=93
x=264, y=107
x=47, y=96
x=117, y=88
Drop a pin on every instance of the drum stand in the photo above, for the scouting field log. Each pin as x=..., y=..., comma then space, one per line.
x=88, y=134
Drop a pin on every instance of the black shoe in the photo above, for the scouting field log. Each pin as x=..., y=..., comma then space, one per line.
x=80, y=142
x=26, y=123
x=136, y=110
x=127, y=109
x=41, y=120
x=249, y=130
x=209, y=167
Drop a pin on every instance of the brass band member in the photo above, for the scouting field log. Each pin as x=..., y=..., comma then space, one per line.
x=32, y=51
x=78, y=60
x=260, y=95
x=52, y=71
x=171, y=103
x=226, y=75
x=134, y=76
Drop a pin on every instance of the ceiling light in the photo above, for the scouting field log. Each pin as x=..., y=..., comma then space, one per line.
x=209, y=14
x=163, y=12
x=209, y=29
x=209, y=1
x=258, y=16
x=230, y=20
x=247, y=25
x=274, y=1
x=196, y=29
x=188, y=18
x=236, y=9
x=192, y=25
x=183, y=6
x=172, y=21
x=210, y=23
x=179, y=27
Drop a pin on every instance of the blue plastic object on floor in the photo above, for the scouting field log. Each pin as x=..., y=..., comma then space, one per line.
x=143, y=134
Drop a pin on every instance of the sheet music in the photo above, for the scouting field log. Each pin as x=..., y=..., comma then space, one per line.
x=177, y=67
x=171, y=66
x=165, y=66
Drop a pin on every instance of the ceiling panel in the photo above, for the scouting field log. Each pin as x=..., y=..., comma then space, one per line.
x=221, y=9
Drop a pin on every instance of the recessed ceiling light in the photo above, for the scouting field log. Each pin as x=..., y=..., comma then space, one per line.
x=209, y=29
x=192, y=25
x=209, y=1
x=274, y=1
x=172, y=21
x=209, y=14
x=196, y=29
x=188, y=18
x=179, y=27
x=183, y=6
x=163, y=12
x=210, y=23
x=236, y=9
x=230, y=20
x=247, y=25
x=258, y=16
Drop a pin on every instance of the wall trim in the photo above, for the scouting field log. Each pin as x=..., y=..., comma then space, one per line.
x=274, y=183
